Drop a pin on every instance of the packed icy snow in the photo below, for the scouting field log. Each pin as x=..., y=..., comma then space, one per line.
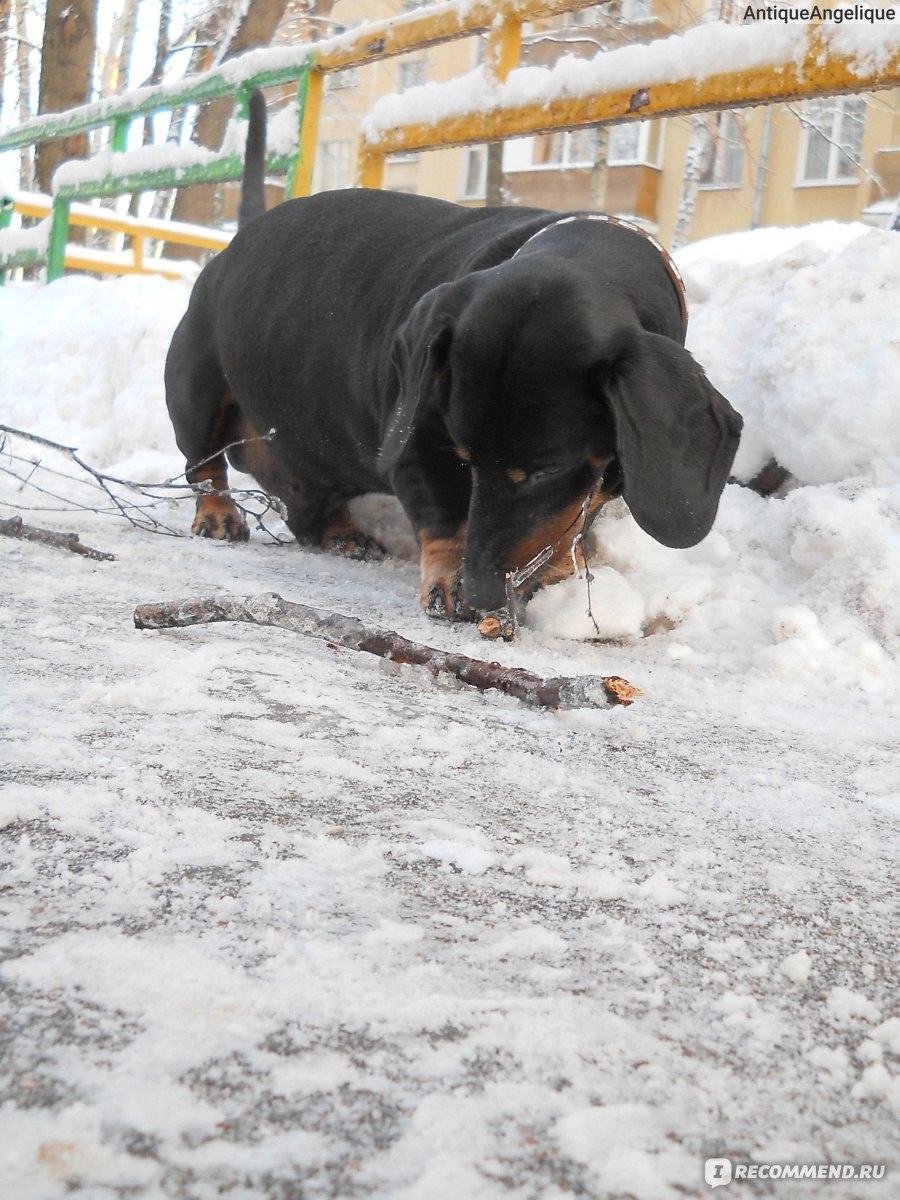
x=280, y=922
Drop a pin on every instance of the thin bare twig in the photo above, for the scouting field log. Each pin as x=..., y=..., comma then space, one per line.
x=138, y=512
x=591, y=691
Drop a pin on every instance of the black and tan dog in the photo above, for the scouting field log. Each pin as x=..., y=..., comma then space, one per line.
x=502, y=371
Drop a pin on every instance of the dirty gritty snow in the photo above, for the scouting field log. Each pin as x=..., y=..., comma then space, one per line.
x=278, y=922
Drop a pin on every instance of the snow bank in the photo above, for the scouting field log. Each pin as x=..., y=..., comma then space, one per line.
x=798, y=328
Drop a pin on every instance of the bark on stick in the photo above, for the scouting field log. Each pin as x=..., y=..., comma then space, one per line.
x=591, y=691
x=15, y=527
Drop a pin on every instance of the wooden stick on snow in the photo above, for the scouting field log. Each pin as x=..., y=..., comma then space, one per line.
x=15, y=527
x=591, y=691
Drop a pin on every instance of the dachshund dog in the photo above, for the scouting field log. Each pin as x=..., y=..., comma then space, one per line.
x=502, y=371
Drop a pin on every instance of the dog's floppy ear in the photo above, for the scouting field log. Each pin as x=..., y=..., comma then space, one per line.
x=420, y=353
x=676, y=438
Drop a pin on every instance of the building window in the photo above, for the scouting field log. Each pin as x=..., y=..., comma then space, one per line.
x=347, y=78
x=572, y=148
x=474, y=185
x=635, y=143
x=725, y=167
x=334, y=166
x=832, y=139
x=413, y=74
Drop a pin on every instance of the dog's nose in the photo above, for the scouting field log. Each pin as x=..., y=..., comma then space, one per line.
x=485, y=590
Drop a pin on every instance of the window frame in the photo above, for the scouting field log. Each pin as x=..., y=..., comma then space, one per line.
x=838, y=108
x=720, y=136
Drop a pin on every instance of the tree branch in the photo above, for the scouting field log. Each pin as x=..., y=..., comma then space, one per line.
x=137, y=512
x=592, y=691
x=15, y=527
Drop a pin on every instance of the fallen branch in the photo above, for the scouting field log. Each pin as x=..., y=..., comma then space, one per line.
x=591, y=691
x=15, y=527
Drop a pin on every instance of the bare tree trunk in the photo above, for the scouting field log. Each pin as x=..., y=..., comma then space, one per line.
x=599, y=172
x=67, y=59
x=196, y=203
x=162, y=53
x=117, y=59
x=697, y=160
x=23, y=68
x=701, y=143
x=494, y=182
x=5, y=12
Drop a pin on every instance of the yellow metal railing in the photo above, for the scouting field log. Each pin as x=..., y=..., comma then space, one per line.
x=138, y=230
x=810, y=64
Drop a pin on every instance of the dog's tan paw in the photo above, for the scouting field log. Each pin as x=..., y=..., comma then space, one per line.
x=441, y=564
x=340, y=536
x=445, y=601
x=351, y=543
x=220, y=518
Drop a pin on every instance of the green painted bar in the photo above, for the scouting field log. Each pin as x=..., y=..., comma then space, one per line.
x=121, y=126
x=218, y=169
x=59, y=236
x=6, y=212
x=221, y=170
x=21, y=258
x=161, y=99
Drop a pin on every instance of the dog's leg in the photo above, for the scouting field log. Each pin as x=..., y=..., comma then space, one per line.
x=217, y=516
x=203, y=414
x=433, y=487
x=441, y=560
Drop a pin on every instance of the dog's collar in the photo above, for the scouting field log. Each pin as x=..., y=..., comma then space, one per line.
x=607, y=219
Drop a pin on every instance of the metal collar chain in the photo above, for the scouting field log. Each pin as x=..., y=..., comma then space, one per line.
x=607, y=219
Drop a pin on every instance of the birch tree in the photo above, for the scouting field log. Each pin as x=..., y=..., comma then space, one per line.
x=23, y=72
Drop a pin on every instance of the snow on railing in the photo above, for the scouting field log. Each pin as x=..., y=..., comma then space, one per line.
x=714, y=65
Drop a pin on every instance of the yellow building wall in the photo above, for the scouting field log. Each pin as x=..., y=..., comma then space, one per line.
x=783, y=200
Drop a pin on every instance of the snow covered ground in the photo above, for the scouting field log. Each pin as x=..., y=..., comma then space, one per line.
x=279, y=923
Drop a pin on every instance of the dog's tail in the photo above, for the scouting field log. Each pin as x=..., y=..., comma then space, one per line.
x=253, y=181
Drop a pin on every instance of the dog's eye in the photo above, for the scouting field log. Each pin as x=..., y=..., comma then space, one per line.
x=545, y=474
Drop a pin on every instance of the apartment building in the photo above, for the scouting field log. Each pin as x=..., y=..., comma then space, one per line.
x=773, y=165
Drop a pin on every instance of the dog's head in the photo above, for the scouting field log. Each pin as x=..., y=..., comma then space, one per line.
x=551, y=393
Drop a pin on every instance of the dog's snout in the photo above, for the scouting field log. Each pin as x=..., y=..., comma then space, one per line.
x=485, y=592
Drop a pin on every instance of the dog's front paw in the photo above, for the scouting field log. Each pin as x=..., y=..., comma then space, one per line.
x=220, y=518
x=445, y=601
x=441, y=564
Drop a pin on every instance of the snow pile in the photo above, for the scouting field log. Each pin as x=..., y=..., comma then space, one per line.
x=81, y=363
x=805, y=344
x=798, y=329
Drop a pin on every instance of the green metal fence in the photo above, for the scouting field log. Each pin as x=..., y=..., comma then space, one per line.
x=117, y=114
